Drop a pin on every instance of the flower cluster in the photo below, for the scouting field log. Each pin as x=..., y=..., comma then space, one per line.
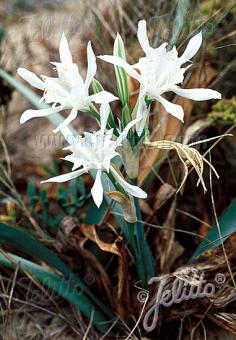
x=160, y=70
x=95, y=151
x=68, y=90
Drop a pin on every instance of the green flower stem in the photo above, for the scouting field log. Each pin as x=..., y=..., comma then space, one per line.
x=135, y=236
x=144, y=258
x=128, y=231
x=116, y=184
x=136, y=251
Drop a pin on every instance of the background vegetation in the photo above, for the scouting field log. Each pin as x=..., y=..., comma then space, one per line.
x=59, y=255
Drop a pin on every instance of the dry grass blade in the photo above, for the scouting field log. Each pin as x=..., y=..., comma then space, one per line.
x=117, y=248
x=220, y=234
x=101, y=18
x=188, y=155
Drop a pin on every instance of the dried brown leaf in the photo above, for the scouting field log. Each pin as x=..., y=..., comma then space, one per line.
x=117, y=248
x=145, y=208
x=164, y=193
x=127, y=205
x=90, y=232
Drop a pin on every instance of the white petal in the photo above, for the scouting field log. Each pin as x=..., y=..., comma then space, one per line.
x=66, y=177
x=92, y=66
x=31, y=78
x=102, y=97
x=174, y=109
x=124, y=133
x=97, y=189
x=69, y=73
x=142, y=114
x=72, y=115
x=37, y=113
x=143, y=38
x=193, y=46
x=64, y=51
x=104, y=114
x=197, y=94
x=130, y=189
x=122, y=63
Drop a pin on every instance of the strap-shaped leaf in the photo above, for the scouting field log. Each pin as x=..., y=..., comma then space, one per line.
x=60, y=286
x=227, y=223
x=20, y=240
x=121, y=75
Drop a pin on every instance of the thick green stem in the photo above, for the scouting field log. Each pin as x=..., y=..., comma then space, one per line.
x=135, y=236
x=143, y=256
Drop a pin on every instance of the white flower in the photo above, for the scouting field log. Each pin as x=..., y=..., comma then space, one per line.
x=95, y=151
x=69, y=90
x=159, y=72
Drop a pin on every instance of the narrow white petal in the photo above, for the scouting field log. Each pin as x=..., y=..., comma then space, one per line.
x=69, y=73
x=130, y=189
x=197, y=94
x=142, y=37
x=102, y=97
x=66, y=177
x=142, y=114
x=104, y=114
x=31, y=78
x=193, y=46
x=72, y=115
x=97, y=189
x=174, y=109
x=37, y=113
x=122, y=63
x=92, y=66
x=124, y=133
x=64, y=51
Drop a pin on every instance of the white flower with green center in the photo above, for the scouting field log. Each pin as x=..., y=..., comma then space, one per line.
x=95, y=151
x=159, y=72
x=69, y=90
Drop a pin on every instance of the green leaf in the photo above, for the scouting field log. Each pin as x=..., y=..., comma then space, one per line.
x=55, y=118
x=227, y=223
x=126, y=116
x=96, y=86
x=32, y=194
x=180, y=18
x=144, y=258
x=2, y=33
x=125, y=119
x=20, y=240
x=96, y=215
x=58, y=285
x=218, y=21
x=121, y=75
